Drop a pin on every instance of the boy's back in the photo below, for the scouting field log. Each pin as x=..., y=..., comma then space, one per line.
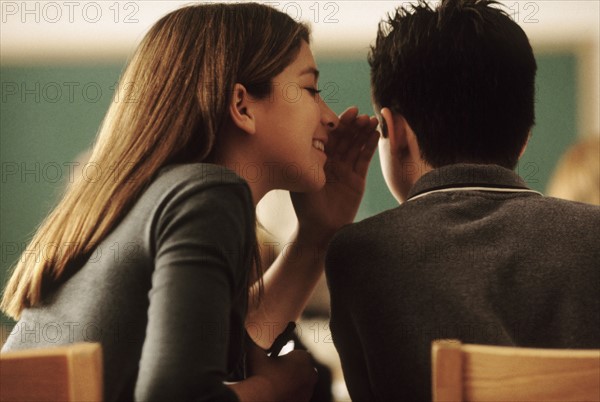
x=502, y=266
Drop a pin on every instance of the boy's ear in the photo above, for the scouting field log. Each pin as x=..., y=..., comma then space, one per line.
x=525, y=145
x=240, y=109
x=396, y=129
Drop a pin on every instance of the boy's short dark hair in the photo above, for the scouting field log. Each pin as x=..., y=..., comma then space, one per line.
x=463, y=76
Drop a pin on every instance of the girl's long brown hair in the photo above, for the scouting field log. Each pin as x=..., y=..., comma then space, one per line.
x=173, y=103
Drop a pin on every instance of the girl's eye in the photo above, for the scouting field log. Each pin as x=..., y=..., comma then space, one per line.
x=313, y=91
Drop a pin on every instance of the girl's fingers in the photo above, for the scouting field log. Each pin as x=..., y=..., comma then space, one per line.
x=348, y=115
x=346, y=119
x=364, y=157
x=359, y=141
x=374, y=123
x=347, y=142
x=344, y=139
x=362, y=120
x=356, y=138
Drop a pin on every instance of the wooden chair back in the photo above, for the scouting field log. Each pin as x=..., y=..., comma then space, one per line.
x=62, y=373
x=462, y=372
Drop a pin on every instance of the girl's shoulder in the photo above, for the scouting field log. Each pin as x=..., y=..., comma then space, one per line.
x=201, y=173
x=175, y=185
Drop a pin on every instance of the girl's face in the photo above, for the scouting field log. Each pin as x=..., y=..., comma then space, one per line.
x=294, y=126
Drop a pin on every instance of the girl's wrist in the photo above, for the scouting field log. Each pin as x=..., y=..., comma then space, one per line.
x=308, y=237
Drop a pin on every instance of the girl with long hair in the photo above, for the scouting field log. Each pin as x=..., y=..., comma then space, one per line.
x=153, y=256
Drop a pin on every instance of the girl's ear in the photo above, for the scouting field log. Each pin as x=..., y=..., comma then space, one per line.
x=240, y=110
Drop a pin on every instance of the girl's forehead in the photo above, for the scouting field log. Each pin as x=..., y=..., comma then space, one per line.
x=304, y=63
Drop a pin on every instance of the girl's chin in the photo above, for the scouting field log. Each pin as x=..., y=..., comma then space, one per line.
x=318, y=178
x=307, y=188
x=311, y=182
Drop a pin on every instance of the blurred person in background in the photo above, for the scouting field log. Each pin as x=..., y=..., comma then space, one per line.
x=577, y=175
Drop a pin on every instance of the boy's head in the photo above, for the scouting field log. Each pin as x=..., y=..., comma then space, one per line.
x=462, y=76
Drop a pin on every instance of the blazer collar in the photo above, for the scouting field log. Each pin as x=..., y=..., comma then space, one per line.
x=467, y=175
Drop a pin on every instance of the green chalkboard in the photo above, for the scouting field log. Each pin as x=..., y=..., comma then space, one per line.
x=49, y=115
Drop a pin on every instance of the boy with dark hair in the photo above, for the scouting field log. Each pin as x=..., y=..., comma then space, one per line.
x=471, y=253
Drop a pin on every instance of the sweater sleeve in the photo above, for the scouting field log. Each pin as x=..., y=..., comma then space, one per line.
x=201, y=244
